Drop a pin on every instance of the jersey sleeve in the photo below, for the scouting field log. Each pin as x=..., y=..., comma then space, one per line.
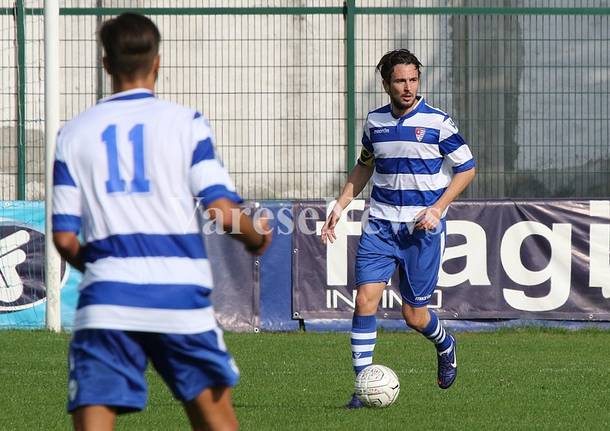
x=209, y=180
x=453, y=147
x=67, y=209
x=367, y=154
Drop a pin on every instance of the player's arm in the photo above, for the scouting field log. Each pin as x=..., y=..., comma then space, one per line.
x=456, y=151
x=429, y=218
x=458, y=184
x=66, y=211
x=356, y=181
x=69, y=248
x=228, y=214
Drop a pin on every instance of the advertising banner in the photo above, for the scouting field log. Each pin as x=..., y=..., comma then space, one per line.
x=502, y=260
x=22, y=283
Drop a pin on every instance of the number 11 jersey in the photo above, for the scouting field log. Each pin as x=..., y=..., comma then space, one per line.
x=127, y=175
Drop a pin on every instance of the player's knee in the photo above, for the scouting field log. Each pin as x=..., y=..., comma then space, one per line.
x=226, y=423
x=414, y=319
x=365, y=305
x=230, y=424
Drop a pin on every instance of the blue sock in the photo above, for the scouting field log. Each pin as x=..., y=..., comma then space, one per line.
x=363, y=338
x=435, y=332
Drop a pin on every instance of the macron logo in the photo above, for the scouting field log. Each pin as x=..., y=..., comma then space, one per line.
x=380, y=131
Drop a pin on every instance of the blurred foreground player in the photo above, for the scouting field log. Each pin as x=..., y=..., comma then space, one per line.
x=126, y=173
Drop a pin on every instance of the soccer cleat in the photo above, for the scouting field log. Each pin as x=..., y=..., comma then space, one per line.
x=354, y=403
x=447, y=365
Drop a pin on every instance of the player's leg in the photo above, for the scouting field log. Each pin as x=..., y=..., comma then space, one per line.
x=364, y=325
x=375, y=265
x=363, y=336
x=420, y=260
x=213, y=410
x=200, y=372
x=94, y=418
x=427, y=323
x=424, y=321
x=106, y=377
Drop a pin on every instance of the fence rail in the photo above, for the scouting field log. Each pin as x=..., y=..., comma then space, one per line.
x=287, y=89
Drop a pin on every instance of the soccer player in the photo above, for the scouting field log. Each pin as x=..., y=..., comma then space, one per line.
x=126, y=173
x=419, y=164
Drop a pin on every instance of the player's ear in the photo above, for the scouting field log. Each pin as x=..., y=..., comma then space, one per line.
x=386, y=86
x=106, y=64
x=155, y=65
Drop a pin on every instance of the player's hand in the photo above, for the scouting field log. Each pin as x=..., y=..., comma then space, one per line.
x=428, y=218
x=328, y=230
x=261, y=225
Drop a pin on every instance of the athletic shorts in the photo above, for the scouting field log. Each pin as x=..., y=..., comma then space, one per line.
x=106, y=367
x=385, y=245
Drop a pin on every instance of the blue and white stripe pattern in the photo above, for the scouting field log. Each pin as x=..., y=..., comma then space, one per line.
x=415, y=158
x=66, y=197
x=436, y=333
x=146, y=265
x=208, y=178
x=363, y=339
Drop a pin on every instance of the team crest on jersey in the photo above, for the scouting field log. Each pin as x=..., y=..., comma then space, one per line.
x=419, y=133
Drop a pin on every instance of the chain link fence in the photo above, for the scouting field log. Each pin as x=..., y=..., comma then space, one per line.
x=287, y=85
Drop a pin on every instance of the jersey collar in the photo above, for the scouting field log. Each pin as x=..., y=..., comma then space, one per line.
x=136, y=93
x=420, y=102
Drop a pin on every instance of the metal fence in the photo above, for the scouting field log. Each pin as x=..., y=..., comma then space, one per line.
x=287, y=85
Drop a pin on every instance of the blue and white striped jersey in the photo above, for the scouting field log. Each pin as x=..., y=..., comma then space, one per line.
x=415, y=157
x=125, y=174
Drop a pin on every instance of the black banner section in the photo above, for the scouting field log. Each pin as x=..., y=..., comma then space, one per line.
x=236, y=290
x=22, y=283
x=503, y=260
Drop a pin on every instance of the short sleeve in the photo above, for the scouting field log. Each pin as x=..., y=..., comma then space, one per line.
x=67, y=210
x=209, y=180
x=454, y=148
x=366, y=137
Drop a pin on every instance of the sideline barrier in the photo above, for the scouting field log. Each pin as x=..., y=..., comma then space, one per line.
x=276, y=276
x=531, y=259
x=542, y=263
x=22, y=289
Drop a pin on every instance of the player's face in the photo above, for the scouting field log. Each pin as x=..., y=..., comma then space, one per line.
x=402, y=87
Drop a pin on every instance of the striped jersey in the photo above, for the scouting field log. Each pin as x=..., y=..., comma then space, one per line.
x=415, y=157
x=126, y=174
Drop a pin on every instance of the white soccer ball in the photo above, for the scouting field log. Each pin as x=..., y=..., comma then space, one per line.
x=377, y=386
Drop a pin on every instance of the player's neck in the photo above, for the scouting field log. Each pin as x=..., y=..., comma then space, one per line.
x=398, y=112
x=120, y=86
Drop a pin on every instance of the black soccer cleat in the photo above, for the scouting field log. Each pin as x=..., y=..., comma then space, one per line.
x=447, y=365
x=354, y=403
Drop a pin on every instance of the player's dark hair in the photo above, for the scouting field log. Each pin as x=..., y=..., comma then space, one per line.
x=392, y=58
x=131, y=43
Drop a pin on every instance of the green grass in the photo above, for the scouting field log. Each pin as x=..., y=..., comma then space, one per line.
x=508, y=380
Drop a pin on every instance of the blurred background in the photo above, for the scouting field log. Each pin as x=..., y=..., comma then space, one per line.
x=287, y=89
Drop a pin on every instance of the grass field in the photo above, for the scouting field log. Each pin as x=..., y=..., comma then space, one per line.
x=508, y=380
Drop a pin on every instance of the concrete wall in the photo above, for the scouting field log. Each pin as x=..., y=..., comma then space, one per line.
x=529, y=93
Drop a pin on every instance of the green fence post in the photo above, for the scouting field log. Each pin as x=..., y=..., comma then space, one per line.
x=99, y=67
x=350, y=53
x=20, y=18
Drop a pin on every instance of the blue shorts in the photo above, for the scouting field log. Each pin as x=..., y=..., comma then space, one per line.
x=106, y=367
x=385, y=244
